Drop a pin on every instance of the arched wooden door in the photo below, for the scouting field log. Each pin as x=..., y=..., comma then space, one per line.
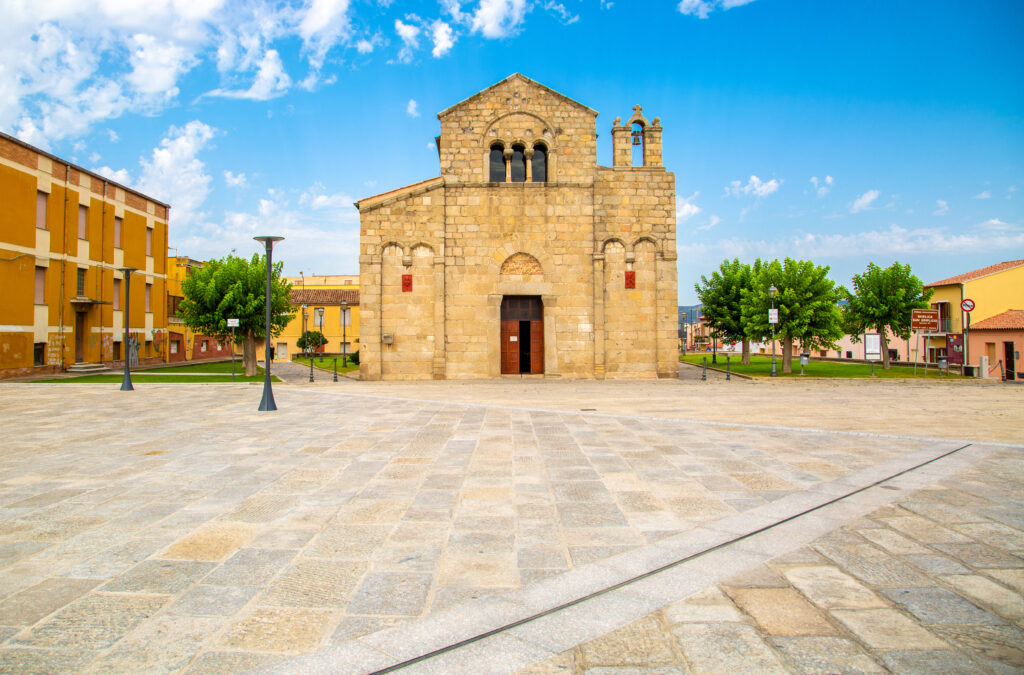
x=522, y=335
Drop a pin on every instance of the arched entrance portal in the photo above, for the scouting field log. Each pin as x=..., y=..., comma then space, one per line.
x=522, y=335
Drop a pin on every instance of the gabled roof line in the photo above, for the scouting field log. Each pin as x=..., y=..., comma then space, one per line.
x=522, y=77
x=978, y=273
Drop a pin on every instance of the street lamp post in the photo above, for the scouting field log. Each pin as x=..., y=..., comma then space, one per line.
x=344, y=334
x=126, y=383
x=773, y=319
x=267, y=402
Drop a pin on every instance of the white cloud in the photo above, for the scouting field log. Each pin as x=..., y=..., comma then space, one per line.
x=271, y=81
x=894, y=241
x=412, y=109
x=563, y=14
x=712, y=221
x=441, y=34
x=431, y=145
x=174, y=173
x=112, y=135
x=685, y=208
x=943, y=208
x=985, y=194
x=118, y=176
x=364, y=46
x=498, y=18
x=316, y=198
x=864, y=201
x=454, y=9
x=410, y=40
x=702, y=8
x=822, y=187
x=156, y=67
x=324, y=24
x=755, y=186
x=234, y=180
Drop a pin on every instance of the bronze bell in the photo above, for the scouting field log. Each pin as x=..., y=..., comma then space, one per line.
x=636, y=137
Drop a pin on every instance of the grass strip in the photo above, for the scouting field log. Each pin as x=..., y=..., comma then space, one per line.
x=761, y=366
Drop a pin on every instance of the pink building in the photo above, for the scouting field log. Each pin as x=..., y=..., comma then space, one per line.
x=1000, y=338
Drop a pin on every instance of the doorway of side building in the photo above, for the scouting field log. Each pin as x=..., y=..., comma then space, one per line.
x=79, y=337
x=522, y=335
x=1010, y=361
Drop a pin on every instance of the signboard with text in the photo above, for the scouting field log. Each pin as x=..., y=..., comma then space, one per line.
x=955, y=349
x=773, y=316
x=232, y=323
x=925, y=319
x=873, y=347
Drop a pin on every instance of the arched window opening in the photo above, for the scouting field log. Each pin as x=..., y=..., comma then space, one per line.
x=518, y=164
x=497, y=163
x=540, y=163
x=637, y=140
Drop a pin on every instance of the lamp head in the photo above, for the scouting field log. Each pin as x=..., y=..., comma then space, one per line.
x=772, y=291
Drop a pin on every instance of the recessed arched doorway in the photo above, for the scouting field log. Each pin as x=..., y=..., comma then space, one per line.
x=522, y=335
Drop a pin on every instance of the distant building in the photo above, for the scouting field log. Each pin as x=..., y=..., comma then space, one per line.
x=524, y=257
x=182, y=343
x=64, y=232
x=330, y=304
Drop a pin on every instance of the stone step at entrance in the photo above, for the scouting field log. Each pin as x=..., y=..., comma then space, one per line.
x=87, y=368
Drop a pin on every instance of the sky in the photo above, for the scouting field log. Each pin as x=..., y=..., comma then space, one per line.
x=841, y=132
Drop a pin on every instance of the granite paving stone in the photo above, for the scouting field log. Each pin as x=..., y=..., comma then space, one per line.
x=179, y=543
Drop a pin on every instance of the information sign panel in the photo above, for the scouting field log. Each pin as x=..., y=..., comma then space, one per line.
x=925, y=319
x=773, y=316
x=955, y=349
x=232, y=323
x=873, y=347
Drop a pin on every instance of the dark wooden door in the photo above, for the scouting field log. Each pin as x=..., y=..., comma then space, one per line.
x=522, y=335
x=509, y=347
x=79, y=337
x=536, y=347
x=1011, y=363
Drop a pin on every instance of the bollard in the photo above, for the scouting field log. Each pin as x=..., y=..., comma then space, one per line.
x=310, y=367
x=728, y=376
x=704, y=371
x=335, y=368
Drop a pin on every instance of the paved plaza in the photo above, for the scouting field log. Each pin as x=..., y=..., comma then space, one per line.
x=513, y=526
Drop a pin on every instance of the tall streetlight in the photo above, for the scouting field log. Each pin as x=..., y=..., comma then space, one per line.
x=773, y=319
x=267, y=402
x=126, y=383
x=344, y=334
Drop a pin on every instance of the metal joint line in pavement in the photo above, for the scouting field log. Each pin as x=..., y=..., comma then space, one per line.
x=627, y=582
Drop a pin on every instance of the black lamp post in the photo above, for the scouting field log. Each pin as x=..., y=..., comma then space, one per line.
x=771, y=295
x=267, y=402
x=344, y=334
x=126, y=383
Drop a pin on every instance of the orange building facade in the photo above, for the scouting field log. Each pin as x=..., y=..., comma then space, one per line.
x=64, y=232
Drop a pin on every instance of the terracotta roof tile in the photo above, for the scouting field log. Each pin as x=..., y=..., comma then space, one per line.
x=977, y=274
x=1011, y=319
x=324, y=296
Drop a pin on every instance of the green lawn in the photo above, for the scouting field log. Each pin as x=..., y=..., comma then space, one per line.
x=326, y=364
x=143, y=377
x=761, y=366
x=212, y=367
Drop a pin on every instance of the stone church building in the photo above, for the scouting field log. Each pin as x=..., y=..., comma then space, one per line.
x=524, y=257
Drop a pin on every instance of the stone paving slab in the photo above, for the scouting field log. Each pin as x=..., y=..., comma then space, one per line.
x=244, y=538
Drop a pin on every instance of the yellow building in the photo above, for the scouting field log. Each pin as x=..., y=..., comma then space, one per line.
x=994, y=290
x=64, y=232
x=182, y=343
x=331, y=305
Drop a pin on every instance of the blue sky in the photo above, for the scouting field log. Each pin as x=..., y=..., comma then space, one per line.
x=843, y=132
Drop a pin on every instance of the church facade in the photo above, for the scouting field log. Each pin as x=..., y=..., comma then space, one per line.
x=524, y=257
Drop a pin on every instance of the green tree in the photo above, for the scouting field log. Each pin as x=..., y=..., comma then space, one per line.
x=721, y=296
x=883, y=300
x=314, y=339
x=235, y=288
x=807, y=301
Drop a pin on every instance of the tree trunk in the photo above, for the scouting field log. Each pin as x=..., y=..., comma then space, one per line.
x=787, y=355
x=746, y=352
x=249, y=354
x=885, y=349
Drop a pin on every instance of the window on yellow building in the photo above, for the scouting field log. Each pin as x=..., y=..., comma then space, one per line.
x=40, y=286
x=149, y=293
x=149, y=241
x=80, y=288
x=83, y=213
x=41, y=210
x=117, y=294
x=117, y=232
